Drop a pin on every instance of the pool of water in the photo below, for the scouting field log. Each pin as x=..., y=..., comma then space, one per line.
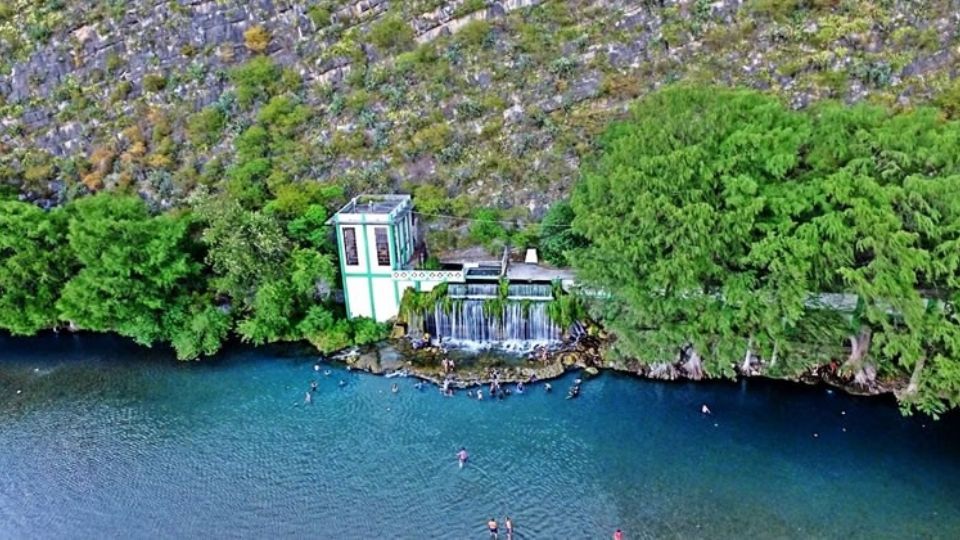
x=108, y=439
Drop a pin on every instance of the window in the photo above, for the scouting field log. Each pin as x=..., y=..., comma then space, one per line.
x=383, y=247
x=350, y=246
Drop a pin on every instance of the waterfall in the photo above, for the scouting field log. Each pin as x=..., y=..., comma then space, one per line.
x=473, y=290
x=517, y=291
x=520, y=325
x=530, y=290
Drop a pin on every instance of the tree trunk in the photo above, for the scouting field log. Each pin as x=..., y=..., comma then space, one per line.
x=746, y=367
x=693, y=367
x=914, y=386
x=864, y=372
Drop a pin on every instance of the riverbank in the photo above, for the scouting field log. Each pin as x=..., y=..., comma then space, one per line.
x=588, y=355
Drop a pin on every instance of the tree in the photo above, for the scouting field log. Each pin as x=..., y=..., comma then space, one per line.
x=557, y=237
x=35, y=262
x=681, y=230
x=133, y=267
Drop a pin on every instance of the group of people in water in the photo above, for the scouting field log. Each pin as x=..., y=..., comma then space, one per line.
x=495, y=390
x=494, y=528
x=314, y=386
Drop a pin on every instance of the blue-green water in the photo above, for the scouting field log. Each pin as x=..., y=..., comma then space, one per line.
x=110, y=440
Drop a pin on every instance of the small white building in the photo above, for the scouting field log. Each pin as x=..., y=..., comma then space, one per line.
x=376, y=237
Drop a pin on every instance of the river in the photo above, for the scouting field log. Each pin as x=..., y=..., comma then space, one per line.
x=101, y=438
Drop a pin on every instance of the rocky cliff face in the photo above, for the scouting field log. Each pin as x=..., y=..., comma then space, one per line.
x=485, y=102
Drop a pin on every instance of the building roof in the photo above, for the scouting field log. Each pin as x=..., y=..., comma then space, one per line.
x=371, y=208
x=537, y=272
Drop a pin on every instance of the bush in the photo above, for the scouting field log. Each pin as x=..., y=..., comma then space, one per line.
x=431, y=199
x=154, y=82
x=255, y=79
x=473, y=34
x=432, y=138
x=205, y=127
x=486, y=228
x=121, y=92
x=367, y=331
x=257, y=39
x=949, y=100
x=392, y=34
x=320, y=15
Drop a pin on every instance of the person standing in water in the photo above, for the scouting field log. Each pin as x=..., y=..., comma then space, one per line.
x=307, y=399
x=508, y=524
x=618, y=535
x=492, y=527
x=462, y=456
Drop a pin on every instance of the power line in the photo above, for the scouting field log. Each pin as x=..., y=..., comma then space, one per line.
x=475, y=220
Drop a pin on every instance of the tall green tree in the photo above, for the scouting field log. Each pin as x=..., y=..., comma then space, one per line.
x=133, y=267
x=683, y=233
x=35, y=263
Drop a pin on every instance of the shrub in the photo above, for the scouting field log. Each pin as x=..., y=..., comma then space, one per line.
x=114, y=62
x=432, y=138
x=255, y=79
x=121, y=92
x=205, y=127
x=431, y=199
x=154, y=82
x=366, y=330
x=474, y=33
x=320, y=15
x=949, y=100
x=392, y=33
x=257, y=39
x=486, y=228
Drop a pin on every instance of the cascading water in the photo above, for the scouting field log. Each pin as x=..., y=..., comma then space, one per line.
x=517, y=325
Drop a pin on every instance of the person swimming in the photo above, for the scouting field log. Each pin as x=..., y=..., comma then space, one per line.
x=480, y=394
x=307, y=398
x=520, y=387
x=548, y=387
x=462, y=456
x=342, y=383
x=419, y=385
x=705, y=410
x=395, y=388
x=313, y=386
x=326, y=373
x=492, y=527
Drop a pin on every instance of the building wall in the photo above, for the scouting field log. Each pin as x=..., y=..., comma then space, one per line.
x=369, y=287
x=356, y=291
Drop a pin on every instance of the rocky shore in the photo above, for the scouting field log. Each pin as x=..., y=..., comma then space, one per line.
x=398, y=357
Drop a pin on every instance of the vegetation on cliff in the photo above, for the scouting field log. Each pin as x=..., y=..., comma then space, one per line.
x=468, y=103
x=731, y=231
